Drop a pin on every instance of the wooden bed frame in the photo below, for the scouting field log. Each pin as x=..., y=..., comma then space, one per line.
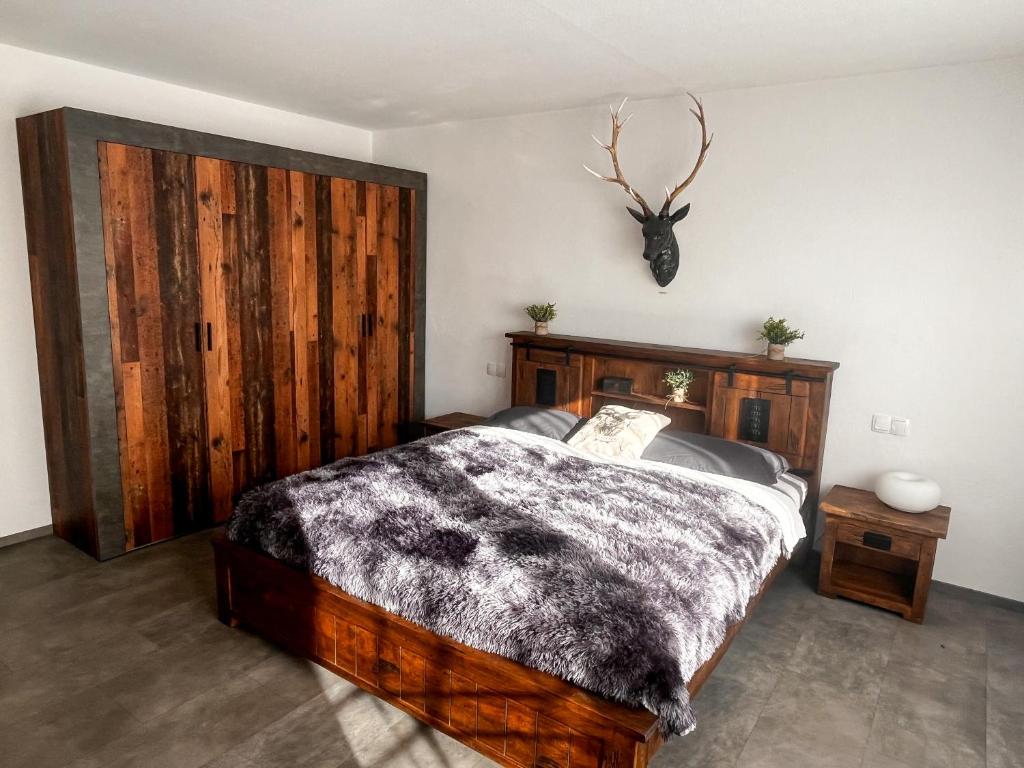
x=510, y=713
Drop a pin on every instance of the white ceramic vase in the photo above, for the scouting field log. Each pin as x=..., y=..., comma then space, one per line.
x=908, y=492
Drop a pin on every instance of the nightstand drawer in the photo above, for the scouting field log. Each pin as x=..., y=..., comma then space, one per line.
x=901, y=545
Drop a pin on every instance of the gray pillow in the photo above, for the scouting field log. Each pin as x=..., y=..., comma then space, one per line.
x=717, y=456
x=538, y=421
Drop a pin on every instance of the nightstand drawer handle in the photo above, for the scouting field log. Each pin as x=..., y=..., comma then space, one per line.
x=877, y=540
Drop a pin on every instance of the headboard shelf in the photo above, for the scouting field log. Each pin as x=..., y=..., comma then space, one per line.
x=743, y=362
x=781, y=405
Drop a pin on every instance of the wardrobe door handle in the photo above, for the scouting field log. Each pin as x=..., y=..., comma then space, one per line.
x=199, y=338
x=370, y=323
x=209, y=337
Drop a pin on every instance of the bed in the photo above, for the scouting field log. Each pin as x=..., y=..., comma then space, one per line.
x=527, y=627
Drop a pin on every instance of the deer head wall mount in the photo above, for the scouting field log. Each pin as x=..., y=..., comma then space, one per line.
x=660, y=247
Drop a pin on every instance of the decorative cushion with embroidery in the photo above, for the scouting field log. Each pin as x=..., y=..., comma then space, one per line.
x=617, y=432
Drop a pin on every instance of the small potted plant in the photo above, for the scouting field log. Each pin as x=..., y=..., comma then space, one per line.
x=779, y=336
x=541, y=314
x=678, y=382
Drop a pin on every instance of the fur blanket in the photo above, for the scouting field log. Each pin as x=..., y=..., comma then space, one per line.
x=620, y=578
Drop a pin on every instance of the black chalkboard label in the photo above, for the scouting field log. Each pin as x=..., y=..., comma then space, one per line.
x=755, y=416
x=547, y=386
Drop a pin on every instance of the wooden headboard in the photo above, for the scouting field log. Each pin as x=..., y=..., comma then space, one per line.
x=778, y=405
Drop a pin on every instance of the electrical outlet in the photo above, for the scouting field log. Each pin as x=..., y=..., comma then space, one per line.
x=881, y=422
x=901, y=427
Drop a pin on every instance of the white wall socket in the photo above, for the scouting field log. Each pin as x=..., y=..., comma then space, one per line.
x=496, y=369
x=889, y=425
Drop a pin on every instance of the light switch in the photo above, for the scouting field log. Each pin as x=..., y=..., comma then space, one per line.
x=492, y=369
x=881, y=422
x=901, y=427
x=501, y=371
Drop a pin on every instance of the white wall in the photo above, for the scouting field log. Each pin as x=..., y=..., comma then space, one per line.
x=881, y=214
x=32, y=82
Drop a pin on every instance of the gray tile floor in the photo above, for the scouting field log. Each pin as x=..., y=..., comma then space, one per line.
x=124, y=664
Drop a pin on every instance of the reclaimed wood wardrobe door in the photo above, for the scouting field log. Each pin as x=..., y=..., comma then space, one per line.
x=388, y=307
x=149, y=229
x=266, y=239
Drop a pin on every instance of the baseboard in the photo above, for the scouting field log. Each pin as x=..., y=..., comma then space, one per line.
x=17, y=538
x=979, y=597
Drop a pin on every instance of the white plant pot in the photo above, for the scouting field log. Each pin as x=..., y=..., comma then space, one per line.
x=776, y=352
x=541, y=329
x=908, y=492
x=678, y=396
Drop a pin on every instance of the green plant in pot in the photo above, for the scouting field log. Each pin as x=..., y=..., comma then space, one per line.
x=779, y=335
x=541, y=314
x=678, y=382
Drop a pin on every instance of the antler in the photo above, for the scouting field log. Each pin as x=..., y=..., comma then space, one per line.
x=612, y=149
x=705, y=143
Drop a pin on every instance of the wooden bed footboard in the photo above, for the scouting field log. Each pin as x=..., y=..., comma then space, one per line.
x=512, y=714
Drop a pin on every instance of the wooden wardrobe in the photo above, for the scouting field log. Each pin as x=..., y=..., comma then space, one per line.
x=211, y=314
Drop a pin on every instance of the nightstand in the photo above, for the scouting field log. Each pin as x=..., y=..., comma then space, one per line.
x=879, y=555
x=449, y=421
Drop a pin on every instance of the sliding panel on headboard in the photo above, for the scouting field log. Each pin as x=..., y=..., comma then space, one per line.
x=760, y=410
x=549, y=379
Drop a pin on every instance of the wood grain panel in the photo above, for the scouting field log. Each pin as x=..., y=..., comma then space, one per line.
x=345, y=312
x=490, y=718
x=389, y=666
x=363, y=310
x=464, y=705
x=413, y=679
x=251, y=221
x=385, y=321
x=585, y=752
x=214, y=338
x=406, y=304
x=312, y=338
x=148, y=316
x=345, y=645
x=521, y=733
x=553, y=743
x=366, y=656
x=325, y=316
x=117, y=245
x=178, y=259
x=368, y=284
x=282, y=315
x=325, y=631
x=299, y=318
x=438, y=693
x=153, y=293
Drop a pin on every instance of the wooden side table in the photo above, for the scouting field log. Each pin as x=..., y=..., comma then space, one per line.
x=449, y=421
x=879, y=555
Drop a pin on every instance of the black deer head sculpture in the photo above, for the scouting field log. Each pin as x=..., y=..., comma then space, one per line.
x=660, y=246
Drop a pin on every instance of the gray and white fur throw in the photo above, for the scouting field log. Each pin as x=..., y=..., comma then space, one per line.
x=620, y=578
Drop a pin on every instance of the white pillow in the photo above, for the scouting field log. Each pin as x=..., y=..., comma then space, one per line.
x=617, y=432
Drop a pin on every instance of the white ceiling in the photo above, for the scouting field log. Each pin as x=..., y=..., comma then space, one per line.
x=385, y=63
